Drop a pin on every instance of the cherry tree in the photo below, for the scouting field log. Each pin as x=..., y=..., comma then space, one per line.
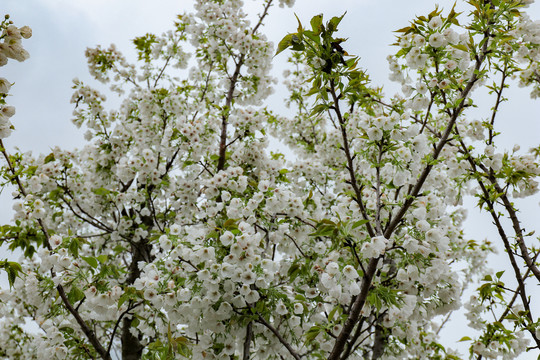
x=176, y=232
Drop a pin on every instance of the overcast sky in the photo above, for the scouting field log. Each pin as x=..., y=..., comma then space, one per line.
x=63, y=29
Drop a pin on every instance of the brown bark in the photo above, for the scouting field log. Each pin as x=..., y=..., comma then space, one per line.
x=247, y=342
x=380, y=342
x=131, y=345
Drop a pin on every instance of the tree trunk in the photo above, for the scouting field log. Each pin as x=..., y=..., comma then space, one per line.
x=380, y=341
x=131, y=345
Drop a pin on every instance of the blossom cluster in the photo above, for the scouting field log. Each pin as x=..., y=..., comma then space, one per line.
x=10, y=48
x=176, y=232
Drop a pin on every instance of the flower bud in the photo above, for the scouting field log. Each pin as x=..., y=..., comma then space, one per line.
x=26, y=32
x=4, y=86
x=19, y=53
x=13, y=32
x=8, y=111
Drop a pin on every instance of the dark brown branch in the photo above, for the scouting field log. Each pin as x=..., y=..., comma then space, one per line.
x=350, y=164
x=497, y=103
x=230, y=94
x=80, y=303
x=517, y=228
x=225, y=116
x=503, y=236
x=440, y=145
x=162, y=70
x=281, y=339
x=296, y=245
x=424, y=123
x=509, y=207
x=117, y=324
x=154, y=213
x=378, y=226
x=90, y=335
x=90, y=219
x=247, y=342
x=349, y=348
x=379, y=343
x=354, y=315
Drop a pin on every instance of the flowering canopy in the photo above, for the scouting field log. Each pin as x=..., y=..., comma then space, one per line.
x=176, y=233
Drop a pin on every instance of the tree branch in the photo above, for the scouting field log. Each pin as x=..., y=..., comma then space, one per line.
x=282, y=340
x=247, y=342
x=90, y=335
x=372, y=266
x=350, y=163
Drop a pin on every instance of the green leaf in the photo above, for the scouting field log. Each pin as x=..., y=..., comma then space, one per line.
x=75, y=294
x=12, y=269
x=294, y=271
x=91, y=261
x=101, y=191
x=15, y=265
x=183, y=348
x=374, y=300
x=297, y=44
x=74, y=247
x=382, y=295
x=180, y=344
x=312, y=36
x=434, y=12
x=144, y=46
x=122, y=299
x=465, y=338
x=319, y=108
x=300, y=28
x=49, y=158
x=359, y=223
x=334, y=22
x=316, y=87
x=511, y=316
x=312, y=333
x=284, y=43
x=230, y=224
x=404, y=30
x=460, y=47
x=352, y=63
x=333, y=312
x=316, y=23
x=328, y=222
x=129, y=293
